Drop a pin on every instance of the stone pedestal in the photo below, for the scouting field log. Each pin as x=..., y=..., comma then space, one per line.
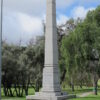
x=51, y=82
x=49, y=96
x=51, y=89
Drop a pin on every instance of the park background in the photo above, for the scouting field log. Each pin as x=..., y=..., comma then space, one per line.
x=78, y=24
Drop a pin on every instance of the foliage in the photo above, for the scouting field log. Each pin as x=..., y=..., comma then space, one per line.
x=81, y=48
x=22, y=67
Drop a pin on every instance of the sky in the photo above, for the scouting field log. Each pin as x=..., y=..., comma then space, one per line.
x=23, y=19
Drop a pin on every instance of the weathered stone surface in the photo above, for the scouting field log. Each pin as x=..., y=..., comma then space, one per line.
x=51, y=81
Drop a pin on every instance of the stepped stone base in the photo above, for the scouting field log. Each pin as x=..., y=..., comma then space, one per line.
x=49, y=96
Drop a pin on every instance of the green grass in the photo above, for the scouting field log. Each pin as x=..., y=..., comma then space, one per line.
x=13, y=98
x=31, y=92
x=90, y=97
x=77, y=91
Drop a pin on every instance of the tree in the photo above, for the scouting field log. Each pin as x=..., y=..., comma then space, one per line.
x=22, y=67
x=77, y=48
x=9, y=66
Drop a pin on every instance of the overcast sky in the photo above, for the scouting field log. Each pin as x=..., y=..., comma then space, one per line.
x=22, y=19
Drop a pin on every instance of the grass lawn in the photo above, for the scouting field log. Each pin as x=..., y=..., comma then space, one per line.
x=12, y=98
x=31, y=92
x=78, y=91
x=90, y=97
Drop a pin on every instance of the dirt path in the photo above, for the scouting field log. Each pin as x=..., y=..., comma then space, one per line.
x=85, y=94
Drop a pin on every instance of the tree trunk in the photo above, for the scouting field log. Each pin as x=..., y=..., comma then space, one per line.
x=72, y=84
x=6, y=91
x=37, y=87
x=63, y=76
x=81, y=85
x=73, y=87
x=26, y=91
x=16, y=90
x=95, y=85
x=11, y=94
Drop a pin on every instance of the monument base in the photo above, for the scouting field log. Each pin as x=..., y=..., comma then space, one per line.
x=49, y=96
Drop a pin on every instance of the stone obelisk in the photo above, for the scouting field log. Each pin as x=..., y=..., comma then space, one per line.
x=51, y=81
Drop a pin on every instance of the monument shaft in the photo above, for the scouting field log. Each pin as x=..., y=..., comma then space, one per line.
x=51, y=49
x=51, y=82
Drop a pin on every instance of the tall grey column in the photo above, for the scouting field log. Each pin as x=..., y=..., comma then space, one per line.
x=51, y=82
x=51, y=49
